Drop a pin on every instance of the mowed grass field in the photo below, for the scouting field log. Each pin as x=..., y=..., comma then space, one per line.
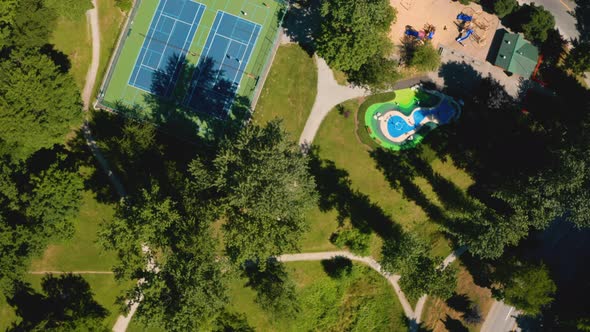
x=289, y=91
x=337, y=141
x=361, y=301
x=81, y=253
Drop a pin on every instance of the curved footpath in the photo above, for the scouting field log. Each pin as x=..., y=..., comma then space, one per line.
x=329, y=94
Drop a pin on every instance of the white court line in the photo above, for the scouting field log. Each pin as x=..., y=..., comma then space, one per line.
x=149, y=42
x=509, y=311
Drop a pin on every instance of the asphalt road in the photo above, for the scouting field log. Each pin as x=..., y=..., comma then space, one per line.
x=565, y=22
x=501, y=318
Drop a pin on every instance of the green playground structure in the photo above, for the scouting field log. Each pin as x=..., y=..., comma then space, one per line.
x=404, y=121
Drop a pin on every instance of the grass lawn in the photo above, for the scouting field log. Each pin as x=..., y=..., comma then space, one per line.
x=290, y=89
x=72, y=37
x=363, y=301
x=104, y=288
x=110, y=20
x=82, y=252
x=436, y=311
x=337, y=141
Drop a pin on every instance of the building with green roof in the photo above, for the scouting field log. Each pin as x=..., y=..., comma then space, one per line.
x=516, y=55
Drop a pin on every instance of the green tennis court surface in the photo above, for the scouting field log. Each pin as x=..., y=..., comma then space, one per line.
x=194, y=56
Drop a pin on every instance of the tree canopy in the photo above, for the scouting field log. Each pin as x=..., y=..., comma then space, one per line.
x=529, y=288
x=505, y=7
x=39, y=105
x=183, y=287
x=353, y=32
x=537, y=27
x=266, y=188
x=579, y=58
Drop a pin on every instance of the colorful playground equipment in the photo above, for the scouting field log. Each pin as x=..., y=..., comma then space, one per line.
x=468, y=33
x=426, y=34
x=403, y=122
x=472, y=23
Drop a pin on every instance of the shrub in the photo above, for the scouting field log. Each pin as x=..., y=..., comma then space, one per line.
x=505, y=7
x=124, y=5
x=353, y=239
x=425, y=58
x=579, y=58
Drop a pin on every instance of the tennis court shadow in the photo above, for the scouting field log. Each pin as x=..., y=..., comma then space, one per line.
x=302, y=23
x=202, y=104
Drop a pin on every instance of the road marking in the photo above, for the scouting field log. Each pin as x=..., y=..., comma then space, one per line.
x=566, y=6
x=509, y=311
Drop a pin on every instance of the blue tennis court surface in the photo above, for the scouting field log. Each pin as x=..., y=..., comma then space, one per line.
x=222, y=63
x=165, y=46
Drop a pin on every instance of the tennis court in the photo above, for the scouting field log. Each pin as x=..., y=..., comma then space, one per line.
x=193, y=56
x=169, y=37
x=227, y=51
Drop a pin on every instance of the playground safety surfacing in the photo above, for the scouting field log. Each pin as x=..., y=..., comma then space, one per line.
x=404, y=121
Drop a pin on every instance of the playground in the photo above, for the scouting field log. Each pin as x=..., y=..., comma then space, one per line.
x=450, y=20
x=404, y=121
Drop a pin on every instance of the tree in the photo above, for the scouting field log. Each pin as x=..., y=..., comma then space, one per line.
x=540, y=22
x=425, y=58
x=421, y=274
x=354, y=32
x=37, y=208
x=32, y=24
x=529, y=288
x=39, y=105
x=232, y=322
x=66, y=305
x=275, y=291
x=266, y=188
x=379, y=73
x=579, y=58
x=505, y=7
x=7, y=12
x=183, y=286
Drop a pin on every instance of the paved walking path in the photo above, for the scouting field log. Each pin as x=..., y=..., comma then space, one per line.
x=92, y=14
x=329, y=94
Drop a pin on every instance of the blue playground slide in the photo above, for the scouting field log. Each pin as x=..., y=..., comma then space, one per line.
x=412, y=33
x=465, y=18
x=469, y=32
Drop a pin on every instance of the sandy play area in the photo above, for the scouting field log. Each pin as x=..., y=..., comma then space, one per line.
x=441, y=14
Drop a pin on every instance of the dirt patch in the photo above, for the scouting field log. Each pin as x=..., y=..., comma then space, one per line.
x=439, y=315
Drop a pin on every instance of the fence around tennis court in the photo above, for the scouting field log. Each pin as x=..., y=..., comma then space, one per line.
x=259, y=69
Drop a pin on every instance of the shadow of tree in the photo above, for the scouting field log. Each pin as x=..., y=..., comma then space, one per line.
x=582, y=15
x=67, y=304
x=337, y=267
x=302, y=23
x=59, y=58
x=454, y=325
x=334, y=187
x=459, y=302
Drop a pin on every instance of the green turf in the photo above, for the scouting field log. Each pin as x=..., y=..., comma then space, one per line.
x=337, y=141
x=72, y=37
x=82, y=252
x=363, y=301
x=289, y=91
x=269, y=18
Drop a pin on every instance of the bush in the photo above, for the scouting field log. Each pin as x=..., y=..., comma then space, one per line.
x=425, y=58
x=124, y=5
x=505, y=7
x=353, y=239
